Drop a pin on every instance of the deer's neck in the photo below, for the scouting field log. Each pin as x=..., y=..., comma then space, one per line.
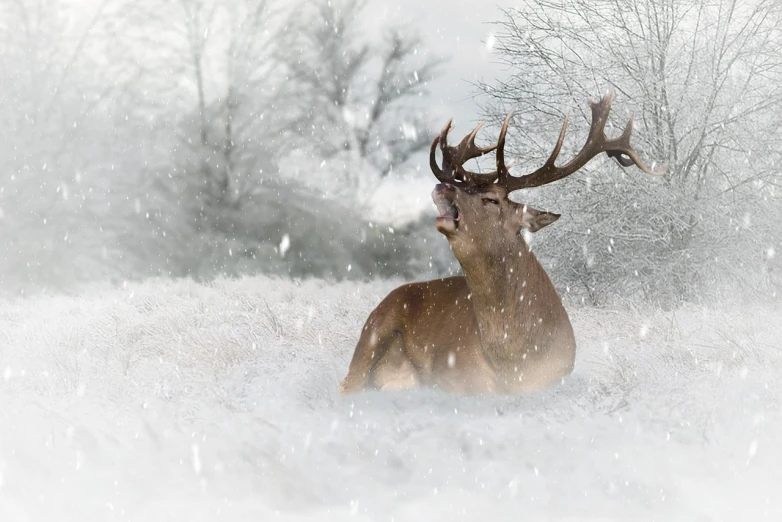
x=514, y=302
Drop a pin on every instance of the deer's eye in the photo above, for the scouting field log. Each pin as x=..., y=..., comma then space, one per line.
x=491, y=200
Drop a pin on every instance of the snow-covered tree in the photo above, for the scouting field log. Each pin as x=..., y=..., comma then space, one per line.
x=357, y=102
x=67, y=159
x=167, y=138
x=704, y=81
x=227, y=153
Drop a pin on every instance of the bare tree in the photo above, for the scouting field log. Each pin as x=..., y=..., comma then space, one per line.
x=368, y=98
x=219, y=54
x=704, y=79
x=60, y=145
x=146, y=138
x=212, y=86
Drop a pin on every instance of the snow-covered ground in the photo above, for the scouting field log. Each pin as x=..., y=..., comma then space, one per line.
x=178, y=401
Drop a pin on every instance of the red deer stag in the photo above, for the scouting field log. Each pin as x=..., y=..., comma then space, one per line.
x=502, y=327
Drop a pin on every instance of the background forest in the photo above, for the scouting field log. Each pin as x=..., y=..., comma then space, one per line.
x=206, y=138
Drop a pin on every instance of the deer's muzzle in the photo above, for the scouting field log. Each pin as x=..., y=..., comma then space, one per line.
x=449, y=217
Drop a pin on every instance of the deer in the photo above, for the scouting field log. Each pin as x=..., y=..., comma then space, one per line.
x=501, y=327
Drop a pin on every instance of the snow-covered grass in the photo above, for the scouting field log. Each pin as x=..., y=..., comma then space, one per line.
x=168, y=401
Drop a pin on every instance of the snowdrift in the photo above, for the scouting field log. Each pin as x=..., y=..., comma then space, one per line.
x=178, y=401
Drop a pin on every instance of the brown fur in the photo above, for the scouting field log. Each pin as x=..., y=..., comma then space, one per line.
x=500, y=329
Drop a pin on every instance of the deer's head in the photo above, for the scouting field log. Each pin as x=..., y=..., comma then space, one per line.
x=476, y=214
x=482, y=218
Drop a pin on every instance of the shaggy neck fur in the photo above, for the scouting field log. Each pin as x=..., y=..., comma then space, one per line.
x=508, y=291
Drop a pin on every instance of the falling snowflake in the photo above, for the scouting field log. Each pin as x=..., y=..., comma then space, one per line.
x=285, y=244
x=196, y=459
x=490, y=41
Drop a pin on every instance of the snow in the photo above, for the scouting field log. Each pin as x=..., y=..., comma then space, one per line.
x=400, y=200
x=179, y=401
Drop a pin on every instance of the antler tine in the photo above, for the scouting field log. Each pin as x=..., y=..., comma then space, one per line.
x=620, y=148
x=627, y=157
x=596, y=142
x=438, y=173
x=600, y=111
x=469, y=150
x=441, y=139
x=558, y=147
x=465, y=151
x=503, y=173
x=625, y=140
x=455, y=157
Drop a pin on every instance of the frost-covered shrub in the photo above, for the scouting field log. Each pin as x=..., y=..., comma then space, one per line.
x=703, y=92
x=286, y=229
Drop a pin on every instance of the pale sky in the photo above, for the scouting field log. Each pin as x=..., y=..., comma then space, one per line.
x=458, y=31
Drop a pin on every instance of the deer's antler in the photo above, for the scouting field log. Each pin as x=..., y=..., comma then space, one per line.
x=455, y=157
x=596, y=142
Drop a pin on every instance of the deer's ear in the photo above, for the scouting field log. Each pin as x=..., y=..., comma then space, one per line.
x=533, y=219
